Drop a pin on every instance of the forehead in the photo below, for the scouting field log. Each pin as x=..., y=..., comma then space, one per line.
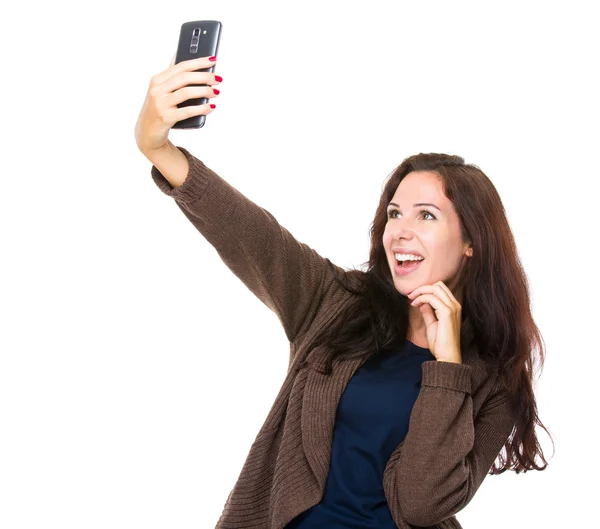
x=422, y=186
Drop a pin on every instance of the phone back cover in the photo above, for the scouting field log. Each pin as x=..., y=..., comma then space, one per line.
x=208, y=37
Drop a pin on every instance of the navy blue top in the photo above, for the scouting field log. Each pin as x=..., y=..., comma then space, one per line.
x=371, y=421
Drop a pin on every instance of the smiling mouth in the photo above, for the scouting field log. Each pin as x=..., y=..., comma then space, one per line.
x=406, y=267
x=401, y=263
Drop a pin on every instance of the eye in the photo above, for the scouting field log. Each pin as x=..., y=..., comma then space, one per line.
x=392, y=212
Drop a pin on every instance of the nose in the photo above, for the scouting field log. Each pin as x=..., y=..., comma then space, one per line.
x=402, y=229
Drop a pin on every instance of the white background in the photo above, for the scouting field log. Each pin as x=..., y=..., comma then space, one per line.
x=135, y=368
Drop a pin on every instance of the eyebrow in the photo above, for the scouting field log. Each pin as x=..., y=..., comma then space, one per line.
x=416, y=205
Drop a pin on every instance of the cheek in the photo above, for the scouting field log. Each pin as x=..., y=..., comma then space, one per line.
x=386, y=239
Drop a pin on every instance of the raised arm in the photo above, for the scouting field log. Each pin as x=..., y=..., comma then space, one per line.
x=288, y=276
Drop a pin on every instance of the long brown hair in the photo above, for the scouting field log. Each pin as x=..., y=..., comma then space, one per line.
x=495, y=299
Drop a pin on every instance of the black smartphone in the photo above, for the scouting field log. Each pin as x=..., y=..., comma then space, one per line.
x=197, y=39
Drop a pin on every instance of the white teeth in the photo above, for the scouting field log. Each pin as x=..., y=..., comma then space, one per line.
x=408, y=257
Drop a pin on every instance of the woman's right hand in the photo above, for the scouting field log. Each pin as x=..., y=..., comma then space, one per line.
x=160, y=112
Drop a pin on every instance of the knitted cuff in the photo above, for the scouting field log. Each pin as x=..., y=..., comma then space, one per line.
x=194, y=184
x=448, y=375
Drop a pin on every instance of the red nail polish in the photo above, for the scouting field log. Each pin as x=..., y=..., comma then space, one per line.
x=216, y=91
x=213, y=58
x=212, y=105
x=218, y=78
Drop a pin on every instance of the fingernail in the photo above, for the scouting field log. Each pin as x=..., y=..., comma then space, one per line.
x=216, y=91
x=212, y=105
x=218, y=78
x=213, y=58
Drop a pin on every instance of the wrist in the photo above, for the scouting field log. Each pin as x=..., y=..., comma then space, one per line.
x=157, y=152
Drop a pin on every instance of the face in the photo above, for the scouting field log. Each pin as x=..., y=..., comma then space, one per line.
x=426, y=230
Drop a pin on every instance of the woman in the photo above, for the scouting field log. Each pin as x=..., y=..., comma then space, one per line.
x=406, y=381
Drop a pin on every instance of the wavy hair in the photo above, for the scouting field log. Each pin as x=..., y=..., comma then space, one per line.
x=494, y=290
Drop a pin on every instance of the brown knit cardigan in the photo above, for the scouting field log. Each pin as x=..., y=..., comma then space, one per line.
x=459, y=422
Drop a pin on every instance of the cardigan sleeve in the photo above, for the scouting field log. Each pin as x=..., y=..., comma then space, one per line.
x=287, y=275
x=446, y=454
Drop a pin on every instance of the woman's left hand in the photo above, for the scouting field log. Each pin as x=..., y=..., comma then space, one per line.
x=442, y=314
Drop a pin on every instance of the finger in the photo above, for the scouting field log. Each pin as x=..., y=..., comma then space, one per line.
x=183, y=66
x=432, y=299
x=428, y=315
x=423, y=289
x=442, y=292
x=448, y=292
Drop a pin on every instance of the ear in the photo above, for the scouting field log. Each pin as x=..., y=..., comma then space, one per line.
x=469, y=251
